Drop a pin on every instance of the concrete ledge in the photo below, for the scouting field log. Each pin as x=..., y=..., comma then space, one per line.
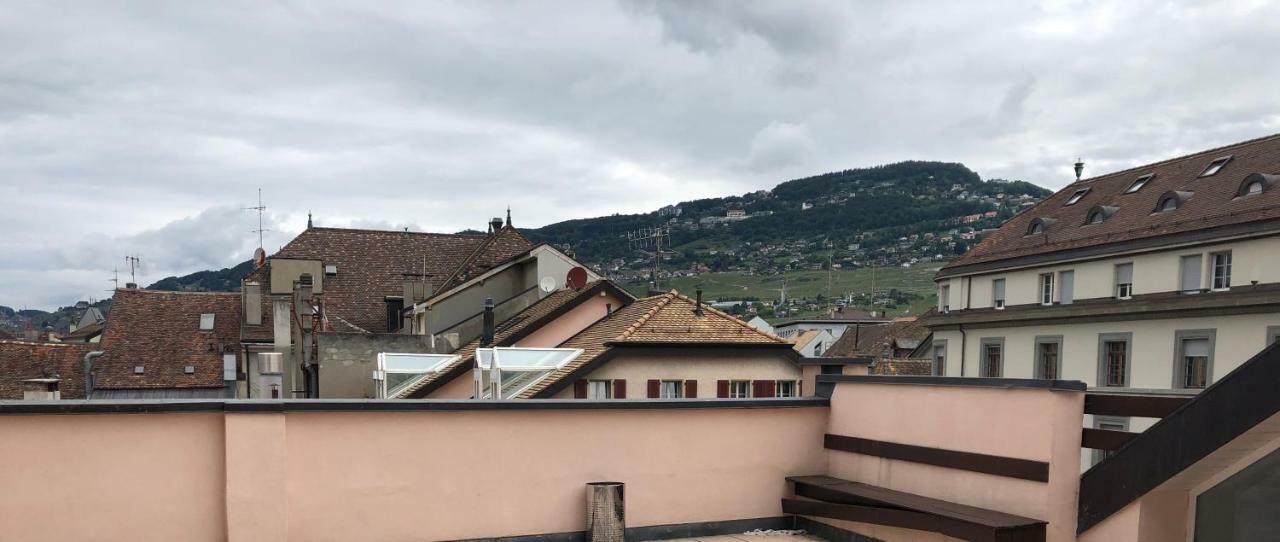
x=405, y=405
x=664, y=532
x=959, y=381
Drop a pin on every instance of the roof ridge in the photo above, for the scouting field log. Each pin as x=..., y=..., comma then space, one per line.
x=730, y=317
x=1170, y=160
x=183, y=292
x=38, y=343
x=371, y=230
x=663, y=300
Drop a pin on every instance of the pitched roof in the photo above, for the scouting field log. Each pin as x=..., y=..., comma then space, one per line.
x=1130, y=216
x=21, y=360
x=840, y=315
x=803, y=338
x=876, y=340
x=84, y=333
x=160, y=331
x=665, y=319
x=372, y=265
x=515, y=328
x=494, y=251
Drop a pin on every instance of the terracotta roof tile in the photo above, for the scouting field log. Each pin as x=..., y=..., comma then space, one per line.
x=161, y=332
x=876, y=340
x=21, y=360
x=1213, y=203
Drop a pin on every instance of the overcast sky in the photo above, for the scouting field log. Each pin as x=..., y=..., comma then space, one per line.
x=147, y=127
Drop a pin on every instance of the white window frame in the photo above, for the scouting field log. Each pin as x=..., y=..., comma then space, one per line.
x=744, y=393
x=381, y=371
x=1213, y=270
x=677, y=385
x=592, y=386
x=1076, y=197
x=1139, y=183
x=1046, y=288
x=1215, y=166
x=1123, y=290
x=777, y=388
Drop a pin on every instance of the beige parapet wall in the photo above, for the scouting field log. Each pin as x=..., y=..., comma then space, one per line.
x=1040, y=424
x=375, y=474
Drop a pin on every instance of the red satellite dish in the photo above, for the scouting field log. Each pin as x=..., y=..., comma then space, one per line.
x=577, y=278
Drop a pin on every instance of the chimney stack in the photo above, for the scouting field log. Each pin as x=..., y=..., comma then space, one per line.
x=486, y=338
x=131, y=286
x=495, y=225
x=1079, y=168
x=697, y=310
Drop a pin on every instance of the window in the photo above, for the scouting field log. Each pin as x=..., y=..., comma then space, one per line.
x=396, y=372
x=739, y=389
x=1113, y=359
x=1096, y=217
x=944, y=298
x=1273, y=335
x=1253, y=188
x=997, y=293
x=1189, y=282
x=1124, y=281
x=1242, y=507
x=1036, y=227
x=1256, y=183
x=1215, y=166
x=992, y=358
x=137, y=369
x=1067, y=287
x=503, y=372
x=1139, y=183
x=1168, y=203
x=395, y=309
x=1076, y=197
x=190, y=369
x=1193, y=362
x=1049, y=357
x=785, y=388
x=230, y=369
x=1221, y=270
x=1108, y=423
x=671, y=389
x=206, y=322
x=1046, y=289
x=331, y=269
x=599, y=389
x=940, y=358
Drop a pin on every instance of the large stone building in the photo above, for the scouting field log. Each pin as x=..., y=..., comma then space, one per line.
x=1164, y=276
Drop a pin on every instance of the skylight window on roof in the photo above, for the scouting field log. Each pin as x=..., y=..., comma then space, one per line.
x=398, y=371
x=505, y=372
x=1076, y=197
x=1215, y=166
x=1139, y=183
x=206, y=322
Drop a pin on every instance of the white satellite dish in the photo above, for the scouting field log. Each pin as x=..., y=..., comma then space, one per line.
x=547, y=284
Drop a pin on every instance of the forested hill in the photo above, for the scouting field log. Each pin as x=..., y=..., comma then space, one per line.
x=838, y=208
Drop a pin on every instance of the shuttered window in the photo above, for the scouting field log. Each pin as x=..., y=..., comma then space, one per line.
x=1190, y=273
x=1124, y=281
x=1195, y=363
x=1067, y=287
x=763, y=388
x=653, y=389
x=997, y=293
x=620, y=389
x=671, y=389
x=690, y=389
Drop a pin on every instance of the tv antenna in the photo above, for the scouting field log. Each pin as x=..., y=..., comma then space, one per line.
x=648, y=241
x=260, y=208
x=134, y=263
x=115, y=279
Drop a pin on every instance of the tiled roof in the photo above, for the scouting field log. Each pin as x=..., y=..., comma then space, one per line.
x=1212, y=203
x=265, y=331
x=494, y=251
x=902, y=367
x=662, y=319
x=372, y=265
x=803, y=338
x=876, y=340
x=161, y=332
x=82, y=334
x=21, y=360
x=516, y=327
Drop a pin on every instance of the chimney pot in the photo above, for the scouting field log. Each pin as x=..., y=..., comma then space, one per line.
x=698, y=308
x=131, y=285
x=486, y=337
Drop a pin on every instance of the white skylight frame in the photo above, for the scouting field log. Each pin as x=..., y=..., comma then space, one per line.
x=207, y=321
x=1139, y=183
x=433, y=364
x=489, y=363
x=1215, y=166
x=1077, y=196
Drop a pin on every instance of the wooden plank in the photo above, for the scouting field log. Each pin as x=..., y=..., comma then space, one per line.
x=1145, y=406
x=839, y=491
x=1105, y=439
x=1025, y=469
x=908, y=519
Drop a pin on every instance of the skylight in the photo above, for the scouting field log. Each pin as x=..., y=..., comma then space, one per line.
x=1215, y=166
x=398, y=371
x=1139, y=183
x=1076, y=197
x=510, y=371
x=206, y=322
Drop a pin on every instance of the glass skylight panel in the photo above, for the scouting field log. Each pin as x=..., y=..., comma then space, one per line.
x=1076, y=197
x=397, y=371
x=1215, y=166
x=513, y=370
x=1139, y=183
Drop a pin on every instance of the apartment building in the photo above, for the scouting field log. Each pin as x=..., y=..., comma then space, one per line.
x=1160, y=277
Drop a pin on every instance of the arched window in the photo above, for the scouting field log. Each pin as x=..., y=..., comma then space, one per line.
x=1099, y=214
x=1252, y=188
x=1167, y=204
x=1171, y=201
x=1096, y=217
x=1036, y=227
x=1256, y=183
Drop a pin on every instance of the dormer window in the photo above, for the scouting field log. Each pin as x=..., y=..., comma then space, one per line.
x=1256, y=183
x=1099, y=214
x=1036, y=228
x=1076, y=197
x=206, y=322
x=1139, y=183
x=1215, y=166
x=1171, y=201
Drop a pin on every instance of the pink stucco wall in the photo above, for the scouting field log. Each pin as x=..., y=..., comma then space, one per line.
x=1025, y=423
x=380, y=475
x=571, y=322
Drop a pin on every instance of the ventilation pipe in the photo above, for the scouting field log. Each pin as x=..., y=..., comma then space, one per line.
x=486, y=337
x=88, y=372
x=697, y=309
x=495, y=224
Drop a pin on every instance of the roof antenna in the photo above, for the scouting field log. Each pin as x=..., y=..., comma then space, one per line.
x=508, y=216
x=1079, y=168
x=260, y=208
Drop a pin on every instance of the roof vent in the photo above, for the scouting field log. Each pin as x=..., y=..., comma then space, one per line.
x=190, y=369
x=137, y=369
x=495, y=224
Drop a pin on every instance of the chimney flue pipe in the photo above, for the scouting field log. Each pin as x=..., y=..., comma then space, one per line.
x=486, y=337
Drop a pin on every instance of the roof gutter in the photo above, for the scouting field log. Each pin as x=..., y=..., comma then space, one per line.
x=88, y=372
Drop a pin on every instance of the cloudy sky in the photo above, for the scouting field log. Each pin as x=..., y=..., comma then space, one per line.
x=146, y=127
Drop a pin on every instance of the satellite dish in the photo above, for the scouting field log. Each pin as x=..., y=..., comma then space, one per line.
x=547, y=284
x=577, y=278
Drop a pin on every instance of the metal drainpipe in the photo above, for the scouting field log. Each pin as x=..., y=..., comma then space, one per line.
x=88, y=372
x=962, y=349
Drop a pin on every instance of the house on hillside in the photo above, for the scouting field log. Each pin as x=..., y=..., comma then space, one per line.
x=1158, y=277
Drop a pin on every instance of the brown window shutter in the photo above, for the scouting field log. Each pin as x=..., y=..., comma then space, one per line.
x=580, y=389
x=767, y=388
x=691, y=388
x=722, y=389
x=620, y=389
x=655, y=389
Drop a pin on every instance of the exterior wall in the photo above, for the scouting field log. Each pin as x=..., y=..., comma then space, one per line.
x=809, y=375
x=464, y=307
x=348, y=360
x=1024, y=423
x=463, y=387
x=113, y=477
x=817, y=345
x=285, y=272
x=639, y=367
x=1123, y=525
x=241, y=476
x=571, y=322
x=1251, y=260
